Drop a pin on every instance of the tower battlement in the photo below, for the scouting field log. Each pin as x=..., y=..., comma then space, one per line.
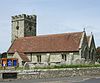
x=23, y=16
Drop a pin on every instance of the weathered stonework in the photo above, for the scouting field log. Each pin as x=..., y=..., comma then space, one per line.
x=23, y=25
x=53, y=73
x=54, y=58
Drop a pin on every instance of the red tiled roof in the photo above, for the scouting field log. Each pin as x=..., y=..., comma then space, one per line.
x=47, y=43
x=23, y=56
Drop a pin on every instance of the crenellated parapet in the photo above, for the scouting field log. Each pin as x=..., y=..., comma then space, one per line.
x=24, y=17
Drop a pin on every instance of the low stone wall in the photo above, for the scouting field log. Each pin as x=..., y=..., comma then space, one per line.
x=52, y=73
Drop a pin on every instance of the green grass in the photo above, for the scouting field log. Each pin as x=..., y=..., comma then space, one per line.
x=67, y=66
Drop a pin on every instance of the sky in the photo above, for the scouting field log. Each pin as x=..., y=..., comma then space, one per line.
x=53, y=17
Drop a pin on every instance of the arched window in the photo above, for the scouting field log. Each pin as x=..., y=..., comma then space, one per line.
x=84, y=52
x=92, y=55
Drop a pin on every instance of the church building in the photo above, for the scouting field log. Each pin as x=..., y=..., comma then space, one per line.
x=54, y=49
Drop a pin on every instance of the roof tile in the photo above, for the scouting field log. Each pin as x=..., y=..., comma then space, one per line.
x=47, y=43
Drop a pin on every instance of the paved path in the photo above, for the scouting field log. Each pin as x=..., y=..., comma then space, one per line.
x=92, y=80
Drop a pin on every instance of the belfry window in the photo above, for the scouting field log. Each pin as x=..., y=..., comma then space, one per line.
x=17, y=27
x=30, y=28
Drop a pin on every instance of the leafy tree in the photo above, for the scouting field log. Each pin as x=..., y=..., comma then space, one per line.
x=0, y=55
x=98, y=54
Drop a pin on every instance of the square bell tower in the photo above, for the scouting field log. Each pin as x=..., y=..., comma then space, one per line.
x=23, y=26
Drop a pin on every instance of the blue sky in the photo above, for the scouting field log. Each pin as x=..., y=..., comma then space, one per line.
x=54, y=16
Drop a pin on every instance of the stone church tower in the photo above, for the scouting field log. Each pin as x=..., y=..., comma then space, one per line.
x=23, y=26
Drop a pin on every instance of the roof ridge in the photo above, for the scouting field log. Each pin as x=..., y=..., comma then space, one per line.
x=60, y=33
x=48, y=35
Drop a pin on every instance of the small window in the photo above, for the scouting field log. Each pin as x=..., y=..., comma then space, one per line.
x=64, y=57
x=39, y=58
x=17, y=27
x=31, y=56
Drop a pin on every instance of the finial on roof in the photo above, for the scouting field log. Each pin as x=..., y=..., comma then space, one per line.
x=83, y=29
x=92, y=33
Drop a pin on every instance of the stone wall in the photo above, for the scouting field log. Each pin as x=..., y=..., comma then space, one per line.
x=52, y=73
x=56, y=57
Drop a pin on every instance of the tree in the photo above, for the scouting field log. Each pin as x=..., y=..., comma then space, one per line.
x=98, y=54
